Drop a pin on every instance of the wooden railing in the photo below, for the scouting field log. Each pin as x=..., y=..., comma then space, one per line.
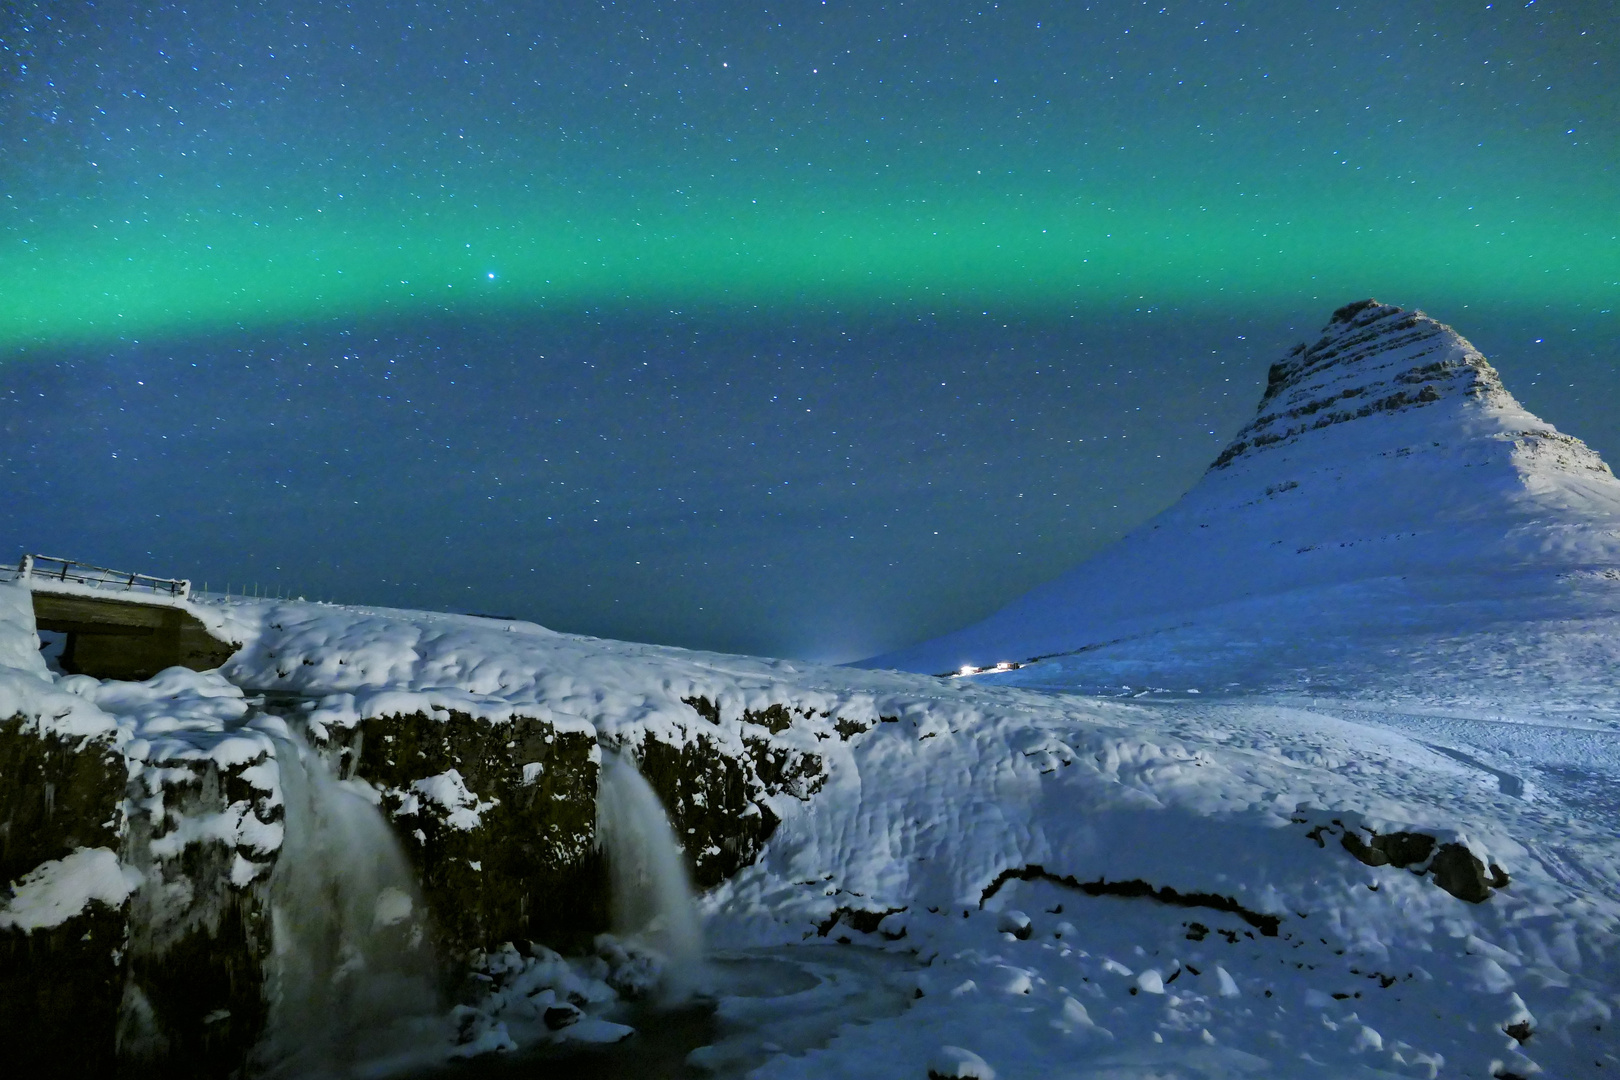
x=45, y=569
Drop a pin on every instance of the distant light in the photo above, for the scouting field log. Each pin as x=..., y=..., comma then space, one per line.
x=492, y=275
x=967, y=669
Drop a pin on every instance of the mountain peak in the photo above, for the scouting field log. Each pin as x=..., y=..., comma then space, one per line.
x=1371, y=358
x=1386, y=460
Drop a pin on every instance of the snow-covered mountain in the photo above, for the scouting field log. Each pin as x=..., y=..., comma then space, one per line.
x=1388, y=488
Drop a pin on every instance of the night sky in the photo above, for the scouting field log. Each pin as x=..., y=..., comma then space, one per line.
x=807, y=330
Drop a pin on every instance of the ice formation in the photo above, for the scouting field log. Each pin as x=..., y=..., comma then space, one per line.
x=351, y=960
x=650, y=889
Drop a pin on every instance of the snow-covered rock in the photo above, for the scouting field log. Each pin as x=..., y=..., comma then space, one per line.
x=955, y=1063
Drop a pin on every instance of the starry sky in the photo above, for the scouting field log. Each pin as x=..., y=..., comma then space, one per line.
x=810, y=329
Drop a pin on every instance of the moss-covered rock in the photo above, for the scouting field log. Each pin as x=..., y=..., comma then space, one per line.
x=1450, y=865
x=60, y=989
x=57, y=793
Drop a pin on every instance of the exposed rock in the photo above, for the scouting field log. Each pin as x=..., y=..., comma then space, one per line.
x=1266, y=924
x=1456, y=870
x=860, y=920
x=1015, y=923
x=774, y=718
x=170, y=979
x=1344, y=376
x=719, y=801
x=497, y=817
x=57, y=793
x=60, y=985
x=705, y=708
x=1450, y=865
x=1398, y=849
x=199, y=932
x=848, y=729
x=558, y=1017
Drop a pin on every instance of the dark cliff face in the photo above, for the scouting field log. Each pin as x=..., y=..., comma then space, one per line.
x=60, y=986
x=168, y=982
x=199, y=935
x=519, y=862
x=1371, y=358
x=515, y=858
x=719, y=801
x=172, y=981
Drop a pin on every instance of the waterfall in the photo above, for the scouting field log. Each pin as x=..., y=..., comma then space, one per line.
x=351, y=966
x=651, y=892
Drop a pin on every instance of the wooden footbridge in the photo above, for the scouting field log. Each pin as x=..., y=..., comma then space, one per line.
x=118, y=625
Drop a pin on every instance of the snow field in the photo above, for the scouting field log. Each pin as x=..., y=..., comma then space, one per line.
x=937, y=788
x=1205, y=806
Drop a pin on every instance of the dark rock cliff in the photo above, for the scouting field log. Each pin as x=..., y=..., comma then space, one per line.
x=59, y=986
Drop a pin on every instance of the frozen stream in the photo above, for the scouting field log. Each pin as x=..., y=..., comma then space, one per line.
x=750, y=1006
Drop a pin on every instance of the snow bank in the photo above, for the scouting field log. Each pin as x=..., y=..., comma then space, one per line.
x=26, y=687
x=1186, y=876
x=56, y=891
x=19, y=643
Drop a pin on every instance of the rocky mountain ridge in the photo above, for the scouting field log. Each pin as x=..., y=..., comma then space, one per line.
x=1320, y=384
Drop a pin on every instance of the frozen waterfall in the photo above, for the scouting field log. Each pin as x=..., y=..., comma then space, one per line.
x=351, y=965
x=651, y=891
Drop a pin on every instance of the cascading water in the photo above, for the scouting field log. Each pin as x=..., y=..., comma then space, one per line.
x=651, y=891
x=351, y=972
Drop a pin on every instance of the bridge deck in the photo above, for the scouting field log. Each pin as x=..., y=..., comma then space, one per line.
x=118, y=626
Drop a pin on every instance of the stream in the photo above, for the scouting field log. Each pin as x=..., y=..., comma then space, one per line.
x=750, y=1005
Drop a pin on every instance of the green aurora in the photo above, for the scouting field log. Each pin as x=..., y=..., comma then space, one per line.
x=244, y=173
x=805, y=329
x=183, y=273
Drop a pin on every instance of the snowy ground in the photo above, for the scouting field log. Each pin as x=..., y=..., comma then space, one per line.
x=1367, y=971
x=970, y=780
x=1373, y=971
x=1281, y=955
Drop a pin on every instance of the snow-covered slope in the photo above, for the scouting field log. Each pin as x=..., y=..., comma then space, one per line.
x=1388, y=485
x=1073, y=887
x=1062, y=886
